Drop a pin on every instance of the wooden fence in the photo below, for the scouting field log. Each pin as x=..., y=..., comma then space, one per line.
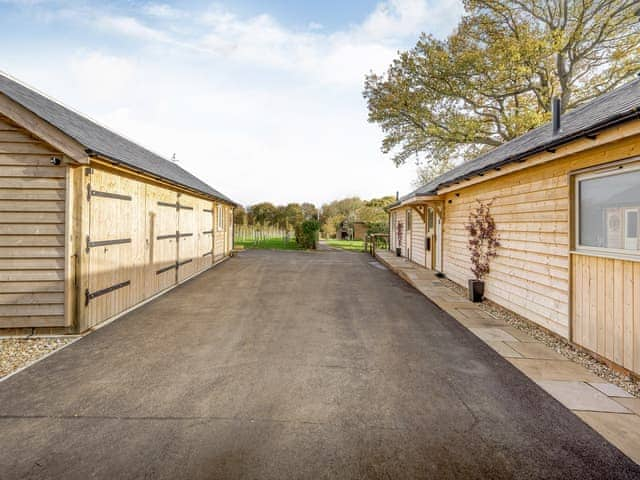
x=257, y=233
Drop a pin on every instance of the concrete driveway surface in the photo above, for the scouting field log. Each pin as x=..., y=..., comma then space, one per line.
x=290, y=365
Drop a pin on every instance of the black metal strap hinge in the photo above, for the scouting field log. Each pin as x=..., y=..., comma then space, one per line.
x=166, y=204
x=164, y=237
x=179, y=264
x=98, y=293
x=98, y=193
x=208, y=253
x=166, y=269
x=104, y=243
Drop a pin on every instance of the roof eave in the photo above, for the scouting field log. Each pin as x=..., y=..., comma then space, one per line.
x=552, y=145
x=119, y=163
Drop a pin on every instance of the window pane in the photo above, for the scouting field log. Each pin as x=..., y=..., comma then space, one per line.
x=609, y=208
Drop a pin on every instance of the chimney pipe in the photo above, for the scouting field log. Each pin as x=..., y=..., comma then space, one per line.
x=555, y=112
x=397, y=195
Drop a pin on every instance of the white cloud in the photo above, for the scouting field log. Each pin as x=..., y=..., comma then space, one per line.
x=102, y=76
x=259, y=110
x=163, y=10
x=132, y=27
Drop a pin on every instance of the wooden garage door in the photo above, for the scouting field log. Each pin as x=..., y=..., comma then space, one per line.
x=205, y=234
x=32, y=224
x=162, y=237
x=187, y=236
x=114, y=245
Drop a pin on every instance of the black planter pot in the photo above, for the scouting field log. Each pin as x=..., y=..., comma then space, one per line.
x=398, y=252
x=476, y=290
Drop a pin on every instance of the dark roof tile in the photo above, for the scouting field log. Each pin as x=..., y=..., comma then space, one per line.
x=101, y=140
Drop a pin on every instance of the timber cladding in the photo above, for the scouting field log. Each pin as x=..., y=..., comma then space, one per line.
x=92, y=224
x=81, y=244
x=531, y=274
x=32, y=231
x=139, y=240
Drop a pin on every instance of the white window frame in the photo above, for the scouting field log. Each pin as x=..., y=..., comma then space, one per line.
x=609, y=171
x=220, y=217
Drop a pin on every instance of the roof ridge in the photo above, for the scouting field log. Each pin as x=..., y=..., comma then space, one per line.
x=99, y=138
x=81, y=114
x=469, y=167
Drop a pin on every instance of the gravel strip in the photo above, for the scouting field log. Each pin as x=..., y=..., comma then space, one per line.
x=559, y=345
x=18, y=352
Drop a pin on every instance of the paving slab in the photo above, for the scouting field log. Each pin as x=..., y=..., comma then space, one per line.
x=581, y=396
x=632, y=404
x=504, y=349
x=493, y=334
x=536, y=350
x=553, y=370
x=611, y=390
x=621, y=429
x=278, y=365
x=519, y=334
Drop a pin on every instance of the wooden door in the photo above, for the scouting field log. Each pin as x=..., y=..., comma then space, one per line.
x=429, y=239
x=408, y=236
x=162, y=239
x=112, y=245
x=205, y=234
x=186, y=236
x=438, y=243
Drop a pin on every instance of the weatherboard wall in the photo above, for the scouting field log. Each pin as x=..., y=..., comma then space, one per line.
x=532, y=273
x=32, y=231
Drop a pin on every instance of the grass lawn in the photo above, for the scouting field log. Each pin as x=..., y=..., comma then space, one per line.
x=269, y=244
x=353, y=245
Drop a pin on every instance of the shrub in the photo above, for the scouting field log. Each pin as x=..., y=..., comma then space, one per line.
x=306, y=233
x=377, y=227
x=483, y=239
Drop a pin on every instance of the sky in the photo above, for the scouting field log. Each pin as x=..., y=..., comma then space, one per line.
x=260, y=99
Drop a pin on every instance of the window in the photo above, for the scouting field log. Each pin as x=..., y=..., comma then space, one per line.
x=430, y=219
x=608, y=211
x=220, y=217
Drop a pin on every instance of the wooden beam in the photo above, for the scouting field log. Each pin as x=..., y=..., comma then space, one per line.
x=42, y=129
x=421, y=211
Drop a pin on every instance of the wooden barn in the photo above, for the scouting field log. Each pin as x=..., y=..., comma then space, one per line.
x=566, y=202
x=92, y=224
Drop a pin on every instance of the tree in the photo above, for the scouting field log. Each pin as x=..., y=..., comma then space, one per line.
x=294, y=215
x=239, y=216
x=373, y=211
x=309, y=211
x=334, y=213
x=494, y=77
x=263, y=213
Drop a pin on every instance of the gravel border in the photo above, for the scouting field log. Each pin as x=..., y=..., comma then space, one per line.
x=558, y=344
x=19, y=352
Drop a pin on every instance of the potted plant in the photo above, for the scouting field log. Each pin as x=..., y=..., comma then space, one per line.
x=483, y=245
x=399, y=236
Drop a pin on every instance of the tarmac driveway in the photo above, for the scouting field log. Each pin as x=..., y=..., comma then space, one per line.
x=290, y=365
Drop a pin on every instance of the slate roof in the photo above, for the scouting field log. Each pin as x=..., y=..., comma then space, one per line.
x=604, y=111
x=102, y=141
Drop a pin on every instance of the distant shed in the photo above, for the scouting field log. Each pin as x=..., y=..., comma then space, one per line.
x=92, y=224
